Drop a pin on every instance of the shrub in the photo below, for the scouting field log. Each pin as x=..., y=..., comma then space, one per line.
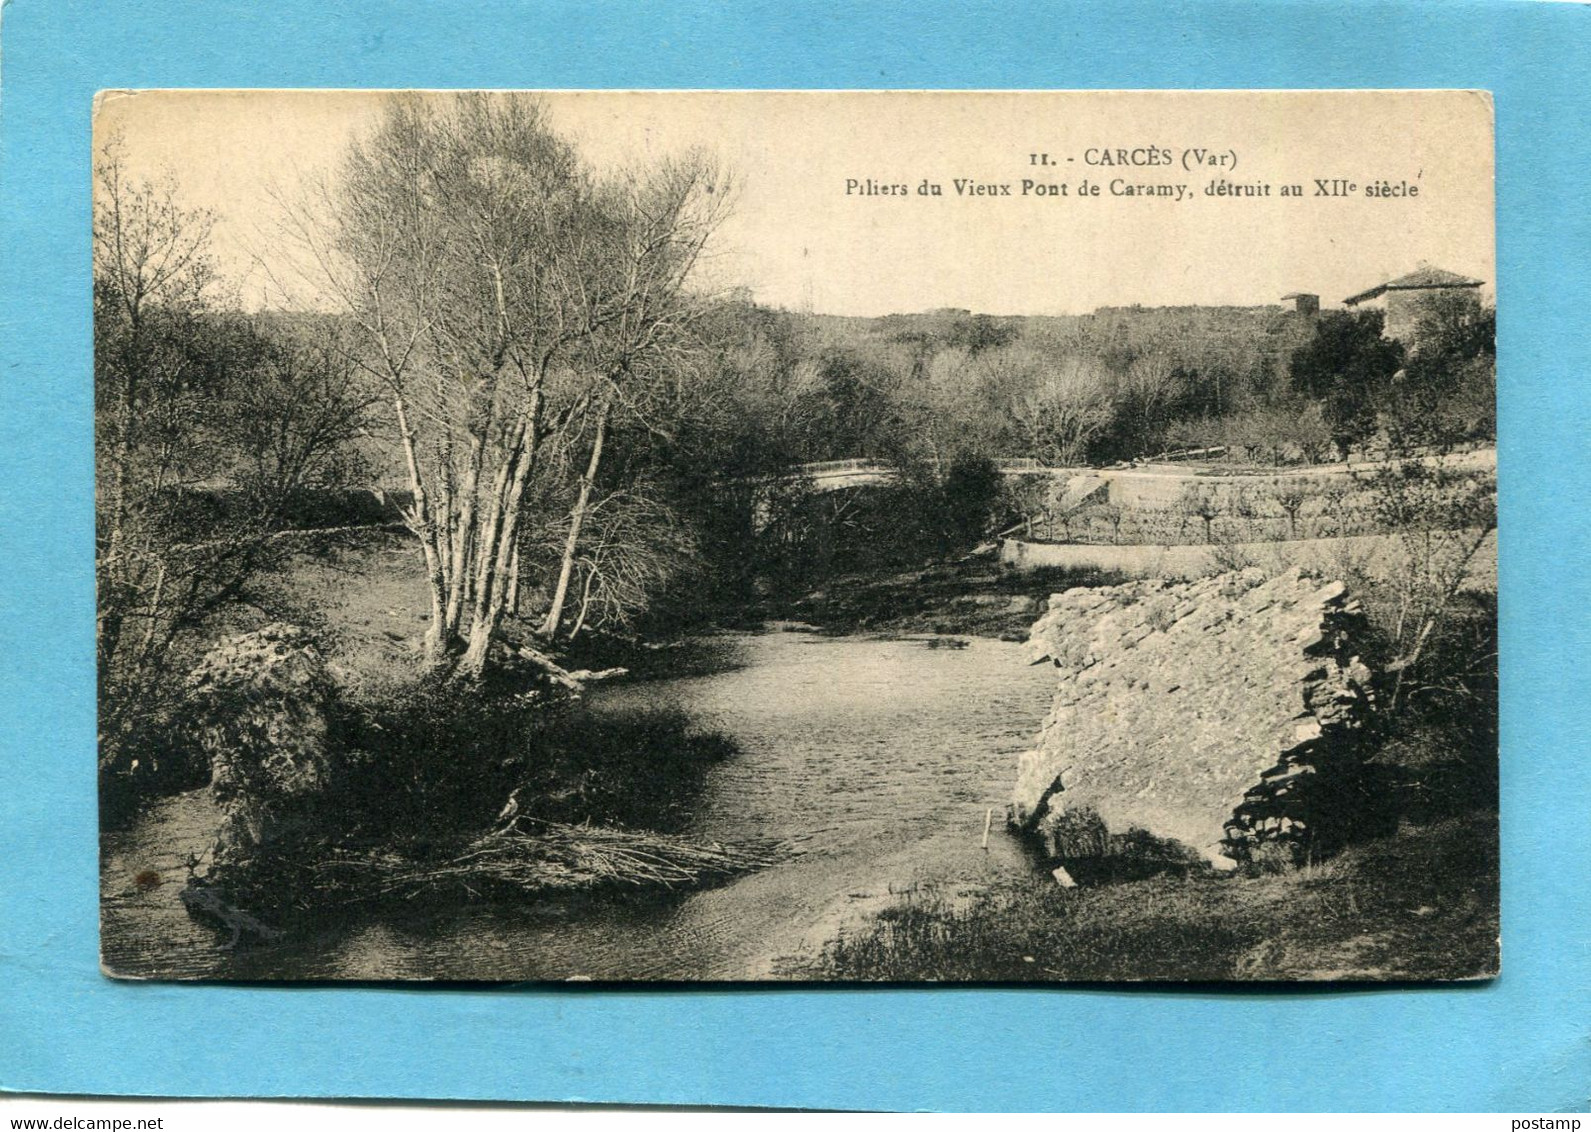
x=436, y=763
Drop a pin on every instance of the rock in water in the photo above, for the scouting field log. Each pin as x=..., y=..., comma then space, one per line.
x=1219, y=716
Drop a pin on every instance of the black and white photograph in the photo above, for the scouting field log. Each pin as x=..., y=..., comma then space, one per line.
x=771, y=536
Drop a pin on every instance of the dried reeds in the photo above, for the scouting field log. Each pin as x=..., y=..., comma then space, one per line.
x=533, y=856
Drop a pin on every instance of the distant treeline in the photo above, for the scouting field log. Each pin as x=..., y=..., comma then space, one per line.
x=1121, y=383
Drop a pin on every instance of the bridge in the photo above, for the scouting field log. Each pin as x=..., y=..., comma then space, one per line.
x=1140, y=477
x=834, y=475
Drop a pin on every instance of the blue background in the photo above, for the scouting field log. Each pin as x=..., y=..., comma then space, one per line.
x=1522, y=1042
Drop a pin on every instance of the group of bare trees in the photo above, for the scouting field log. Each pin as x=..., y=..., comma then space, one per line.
x=207, y=424
x=1267, y=386
x=489, y=315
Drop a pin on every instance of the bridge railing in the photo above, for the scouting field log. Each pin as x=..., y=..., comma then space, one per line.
x=864, y=464
x=855, y=465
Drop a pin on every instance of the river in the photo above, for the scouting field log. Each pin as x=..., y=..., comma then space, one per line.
x=875, y=760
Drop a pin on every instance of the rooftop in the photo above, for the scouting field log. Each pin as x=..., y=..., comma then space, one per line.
x=1421, y=279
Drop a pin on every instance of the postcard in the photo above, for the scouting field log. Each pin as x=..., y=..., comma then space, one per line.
x=679, y=537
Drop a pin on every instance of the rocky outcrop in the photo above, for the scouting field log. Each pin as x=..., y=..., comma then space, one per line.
x=1214, y=717
x=260, y=709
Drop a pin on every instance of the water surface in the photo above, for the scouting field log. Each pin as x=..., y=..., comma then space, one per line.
x=875, y=760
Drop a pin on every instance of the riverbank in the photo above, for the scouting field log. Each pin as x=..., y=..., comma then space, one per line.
x=360, y=599
x=413, y=791
x=973, y=596
x=1419, y=905
x=363, y=599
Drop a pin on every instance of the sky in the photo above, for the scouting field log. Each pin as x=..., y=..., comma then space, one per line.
x=798, y=239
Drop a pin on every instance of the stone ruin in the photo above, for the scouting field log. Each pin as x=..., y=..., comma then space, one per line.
x=260, y=709
x=1221, y=719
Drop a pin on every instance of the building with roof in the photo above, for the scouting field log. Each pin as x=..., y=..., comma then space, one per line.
x=1407, y=297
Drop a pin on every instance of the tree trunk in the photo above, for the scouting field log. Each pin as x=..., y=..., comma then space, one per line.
x=424, y=528
x=513, y=581
x=444, y=514
x=458, y=569
x=549, y=627
x=491, y=587
x=585, y=604
x=491, y=531
x=112, y=609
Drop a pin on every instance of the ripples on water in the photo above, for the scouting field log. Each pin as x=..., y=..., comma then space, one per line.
x=875, y=759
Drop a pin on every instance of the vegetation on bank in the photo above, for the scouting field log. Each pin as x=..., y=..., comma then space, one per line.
x=464, y=797
x=970, y=596
x=1421, y=905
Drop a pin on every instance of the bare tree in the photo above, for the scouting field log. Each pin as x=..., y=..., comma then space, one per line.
x=1200, y=501
x=295, y=422
x=151, y=275
x=152, y=278
x=1291, y=495
x=1060, y=408
x=666, y=221
x=1146, y=389
x=503, y=297
x=633, y=548
x=1441, y=518
x=206, y=426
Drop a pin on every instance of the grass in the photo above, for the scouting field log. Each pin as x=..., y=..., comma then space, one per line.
x=447, y=794
x=426, y=768
x=1418, y=905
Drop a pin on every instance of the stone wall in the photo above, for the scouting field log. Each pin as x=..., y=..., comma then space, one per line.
x=1380, y=556
x=1214, y=716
